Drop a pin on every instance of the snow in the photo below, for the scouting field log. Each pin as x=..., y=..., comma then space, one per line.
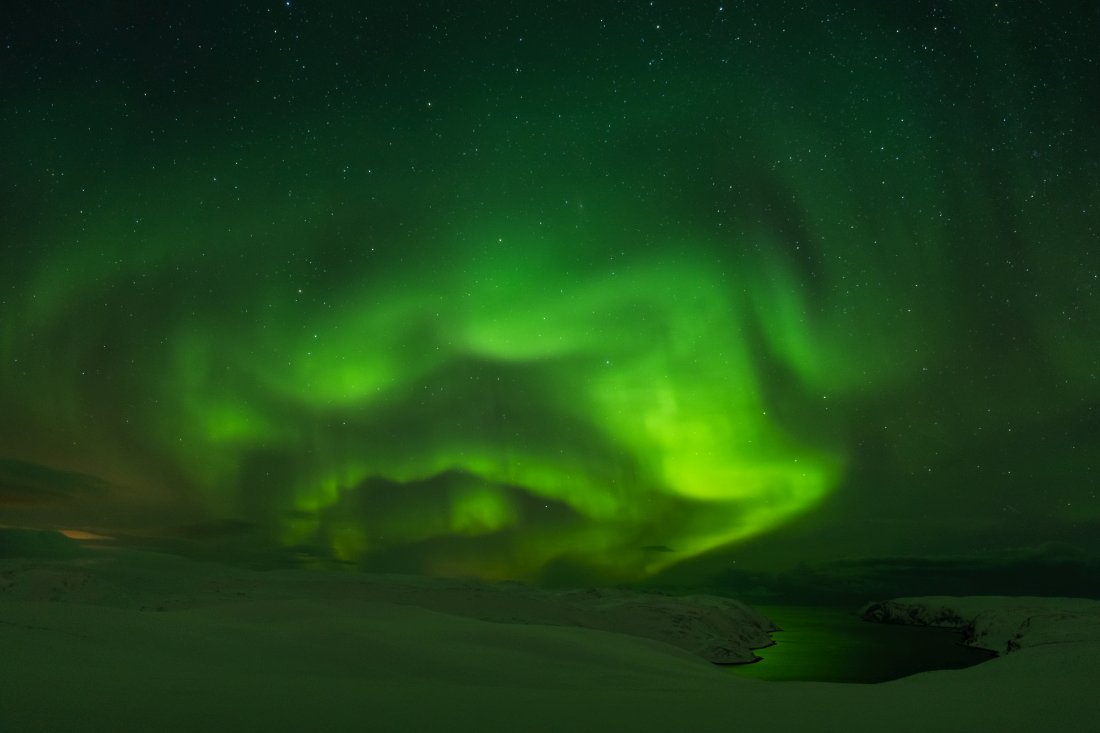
x=998, y=623
x=119, y=641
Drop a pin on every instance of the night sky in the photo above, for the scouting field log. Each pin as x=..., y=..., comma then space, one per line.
x=554, y=290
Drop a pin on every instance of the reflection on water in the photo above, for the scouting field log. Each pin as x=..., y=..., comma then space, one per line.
x=832, y=645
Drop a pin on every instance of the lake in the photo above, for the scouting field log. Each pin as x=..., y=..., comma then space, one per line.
x=834, y=645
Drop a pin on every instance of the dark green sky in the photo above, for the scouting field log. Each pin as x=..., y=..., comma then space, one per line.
x=514, y=289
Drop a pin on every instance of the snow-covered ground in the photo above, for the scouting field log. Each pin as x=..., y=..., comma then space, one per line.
x=129, y=641
x=998, y=623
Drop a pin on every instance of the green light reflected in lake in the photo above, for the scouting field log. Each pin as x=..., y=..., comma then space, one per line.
x=834, y=645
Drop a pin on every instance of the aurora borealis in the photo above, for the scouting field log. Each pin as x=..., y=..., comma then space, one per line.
x=528, y=290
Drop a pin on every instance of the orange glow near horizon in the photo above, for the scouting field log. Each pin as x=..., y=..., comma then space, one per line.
x=80, y=534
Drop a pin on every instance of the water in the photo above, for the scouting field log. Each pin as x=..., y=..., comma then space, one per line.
x=832, y=645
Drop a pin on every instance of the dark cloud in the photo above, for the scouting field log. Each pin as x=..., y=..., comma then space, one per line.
x=23, y=483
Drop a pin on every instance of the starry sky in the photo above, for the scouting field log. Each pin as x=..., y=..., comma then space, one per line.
x=553, y=290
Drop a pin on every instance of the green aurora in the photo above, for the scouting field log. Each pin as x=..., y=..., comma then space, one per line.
x=474, y=289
